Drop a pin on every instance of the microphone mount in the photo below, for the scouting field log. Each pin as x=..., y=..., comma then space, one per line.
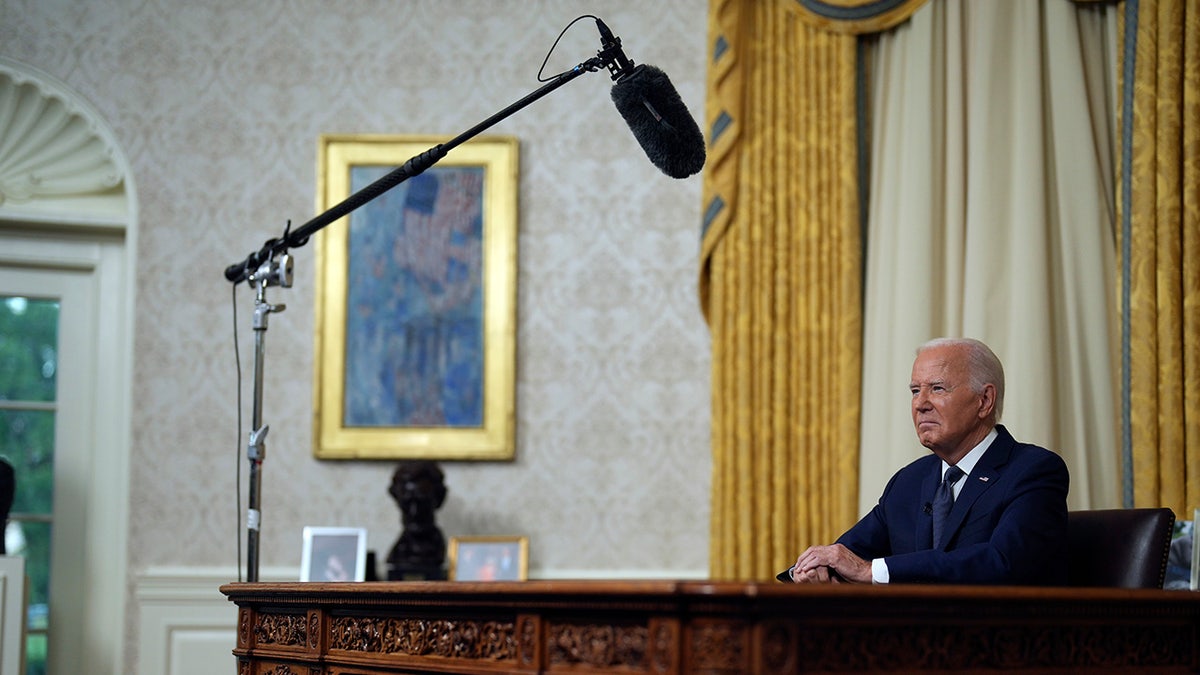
x=611, y=53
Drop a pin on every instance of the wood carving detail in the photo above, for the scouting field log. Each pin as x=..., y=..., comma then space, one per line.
x=466, y=639
x=243, y=637
x=314, y=630
x=940, y=647
x=663, y=653
x=527, y=637
x=599, y=646
x=778, y=642
x=719, y=647
x=281, y=629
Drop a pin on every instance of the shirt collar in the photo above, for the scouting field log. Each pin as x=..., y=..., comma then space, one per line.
x=968, y=462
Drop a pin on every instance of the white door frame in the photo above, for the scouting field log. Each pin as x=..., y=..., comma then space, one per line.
x=90, y=532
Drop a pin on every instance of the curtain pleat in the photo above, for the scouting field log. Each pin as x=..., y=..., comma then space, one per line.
x=1160, y=246
x=780, y=286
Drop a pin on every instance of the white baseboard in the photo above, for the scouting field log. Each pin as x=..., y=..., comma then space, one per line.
x=186, y=625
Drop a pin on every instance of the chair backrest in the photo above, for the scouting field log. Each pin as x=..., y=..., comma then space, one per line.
x=1123, y=548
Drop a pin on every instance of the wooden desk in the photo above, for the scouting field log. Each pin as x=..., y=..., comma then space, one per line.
x=704, y=627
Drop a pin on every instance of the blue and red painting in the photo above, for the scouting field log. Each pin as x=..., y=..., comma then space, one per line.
x=414, y=306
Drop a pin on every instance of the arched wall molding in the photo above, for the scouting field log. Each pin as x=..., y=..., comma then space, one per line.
x=59, y=160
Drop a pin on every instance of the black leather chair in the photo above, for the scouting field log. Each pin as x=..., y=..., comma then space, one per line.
x=1122, y=548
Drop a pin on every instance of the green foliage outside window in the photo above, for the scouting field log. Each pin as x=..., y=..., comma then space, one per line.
x=28, y=387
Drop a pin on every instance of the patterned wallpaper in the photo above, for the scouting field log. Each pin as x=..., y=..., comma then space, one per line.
x=218, y=105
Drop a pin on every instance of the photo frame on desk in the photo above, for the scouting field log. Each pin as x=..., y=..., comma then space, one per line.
x=489, y=558
x=416, y=302
x=334, y=554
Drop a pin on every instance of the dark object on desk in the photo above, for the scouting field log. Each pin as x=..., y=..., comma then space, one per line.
x=1119, y=548
x=419, y=488
x=8, y=488
x=372, y=571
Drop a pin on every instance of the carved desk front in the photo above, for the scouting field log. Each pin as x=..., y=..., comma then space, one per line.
x=668, y=627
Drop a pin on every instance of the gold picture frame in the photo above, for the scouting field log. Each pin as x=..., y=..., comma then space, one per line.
x=423, y=367
x=489, y=558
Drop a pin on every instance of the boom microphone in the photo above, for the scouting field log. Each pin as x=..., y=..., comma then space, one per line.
x=653, y=110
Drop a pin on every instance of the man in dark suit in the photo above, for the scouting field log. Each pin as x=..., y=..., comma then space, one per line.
x=1000, y=518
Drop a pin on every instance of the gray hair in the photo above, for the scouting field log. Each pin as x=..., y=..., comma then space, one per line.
x=983, y=367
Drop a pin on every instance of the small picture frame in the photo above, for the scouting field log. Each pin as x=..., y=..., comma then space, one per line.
x=489, y=558
x=334, y=554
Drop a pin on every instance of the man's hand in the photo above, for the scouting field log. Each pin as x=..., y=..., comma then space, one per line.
x=821, y=575
x=825, y=564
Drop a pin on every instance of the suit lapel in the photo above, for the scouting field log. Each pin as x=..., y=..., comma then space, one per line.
x=983, y=476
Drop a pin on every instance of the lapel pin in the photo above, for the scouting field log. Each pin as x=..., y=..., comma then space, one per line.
x=983, y=478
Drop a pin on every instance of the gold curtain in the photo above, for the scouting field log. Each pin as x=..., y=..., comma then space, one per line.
x=1159, y=243
x=780, y=280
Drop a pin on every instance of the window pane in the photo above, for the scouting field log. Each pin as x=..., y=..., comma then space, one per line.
x=28, y=382
x=27, y=442
x=35, y=654
x=28, y=349
x=32, y=542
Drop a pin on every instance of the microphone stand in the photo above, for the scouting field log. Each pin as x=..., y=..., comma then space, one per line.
x=272, y=266
x=277, y=271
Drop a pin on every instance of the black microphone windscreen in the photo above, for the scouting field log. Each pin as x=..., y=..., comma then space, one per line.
x=660, y=121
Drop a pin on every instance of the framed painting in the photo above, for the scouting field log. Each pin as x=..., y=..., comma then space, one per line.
x=416, y=303
x=489, y=558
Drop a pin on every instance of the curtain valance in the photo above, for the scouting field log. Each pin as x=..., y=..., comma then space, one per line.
x=855, y=16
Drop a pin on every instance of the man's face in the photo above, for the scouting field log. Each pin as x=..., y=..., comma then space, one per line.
x=949, y=418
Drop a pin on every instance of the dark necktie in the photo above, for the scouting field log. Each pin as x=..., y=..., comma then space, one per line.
x=942, y=501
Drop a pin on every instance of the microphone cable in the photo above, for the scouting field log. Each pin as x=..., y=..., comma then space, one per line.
x=555, y=46
x=237, y=472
